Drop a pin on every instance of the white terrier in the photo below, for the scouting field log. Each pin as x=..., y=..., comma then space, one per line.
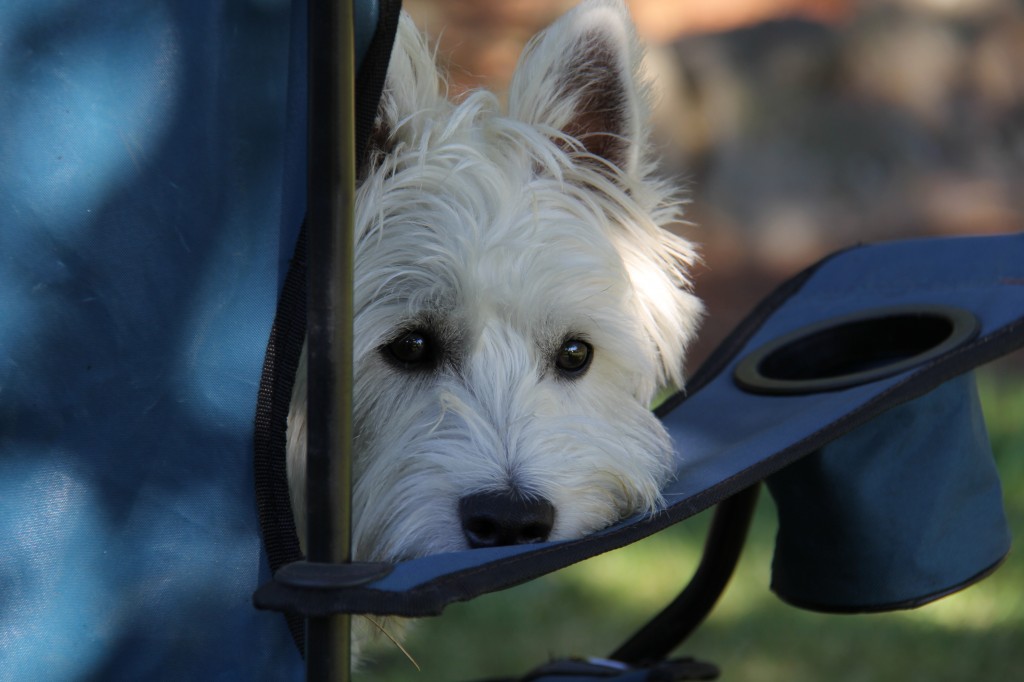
x=518, y=302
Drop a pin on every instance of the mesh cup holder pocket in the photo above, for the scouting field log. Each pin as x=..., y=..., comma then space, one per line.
x=855, y=349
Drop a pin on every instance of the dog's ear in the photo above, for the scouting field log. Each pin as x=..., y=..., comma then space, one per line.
x=412, y=90
x=579, y=78
x=580, y=81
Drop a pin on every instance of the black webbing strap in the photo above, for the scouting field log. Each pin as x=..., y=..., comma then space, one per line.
x=273, y=502
x=289, y=332
x=728, y=532
x=372, y=74
x=677, y=621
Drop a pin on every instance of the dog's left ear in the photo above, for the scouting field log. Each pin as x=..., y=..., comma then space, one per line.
x=579, y=78
x=580, y=82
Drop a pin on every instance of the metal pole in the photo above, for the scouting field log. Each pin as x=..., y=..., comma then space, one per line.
x=330, y=218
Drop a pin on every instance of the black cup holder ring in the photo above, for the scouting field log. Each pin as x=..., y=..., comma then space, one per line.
x=855, y=349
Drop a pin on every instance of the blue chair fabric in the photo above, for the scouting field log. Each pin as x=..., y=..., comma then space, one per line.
x=152, y=187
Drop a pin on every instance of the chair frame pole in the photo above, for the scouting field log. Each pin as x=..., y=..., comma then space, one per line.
x=330, y=220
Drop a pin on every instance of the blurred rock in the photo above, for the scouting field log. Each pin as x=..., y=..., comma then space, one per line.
x=903, y=121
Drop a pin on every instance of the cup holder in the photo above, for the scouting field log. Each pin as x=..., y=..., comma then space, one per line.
x=855, y=349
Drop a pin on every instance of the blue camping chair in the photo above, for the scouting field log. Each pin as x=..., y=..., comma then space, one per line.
x=152, y=292
x=151, y=193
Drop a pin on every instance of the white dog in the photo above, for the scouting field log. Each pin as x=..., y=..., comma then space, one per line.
x=518, y=302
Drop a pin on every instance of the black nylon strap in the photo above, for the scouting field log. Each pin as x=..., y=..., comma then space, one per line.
x=288, y=333
x=273, y=503
x=372, y=75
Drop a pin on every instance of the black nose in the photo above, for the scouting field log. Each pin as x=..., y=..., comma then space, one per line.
x=496, y=519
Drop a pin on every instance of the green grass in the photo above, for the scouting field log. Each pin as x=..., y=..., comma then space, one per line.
x=590, y=608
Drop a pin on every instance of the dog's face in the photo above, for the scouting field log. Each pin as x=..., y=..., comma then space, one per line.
x=517, y=303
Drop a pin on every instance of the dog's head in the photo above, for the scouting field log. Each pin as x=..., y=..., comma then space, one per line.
x=518, y=300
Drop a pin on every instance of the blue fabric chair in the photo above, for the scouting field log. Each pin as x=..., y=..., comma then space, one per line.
x=152, y=179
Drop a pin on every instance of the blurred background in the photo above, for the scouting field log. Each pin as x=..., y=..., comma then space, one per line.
x=800, y=127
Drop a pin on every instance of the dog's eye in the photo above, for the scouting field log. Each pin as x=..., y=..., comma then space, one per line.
x=411, y=349
x=574, y=357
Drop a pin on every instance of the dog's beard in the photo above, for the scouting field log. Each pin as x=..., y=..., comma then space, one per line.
x=594, y=452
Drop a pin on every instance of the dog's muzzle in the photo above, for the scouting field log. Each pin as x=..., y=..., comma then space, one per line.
x=497, y=519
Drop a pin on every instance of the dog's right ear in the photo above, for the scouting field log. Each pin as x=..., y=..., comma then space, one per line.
x=412, y=91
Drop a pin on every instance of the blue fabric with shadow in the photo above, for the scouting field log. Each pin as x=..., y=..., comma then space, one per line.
x=151, y=190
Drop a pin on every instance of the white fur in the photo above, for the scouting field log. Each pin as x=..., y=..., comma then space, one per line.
x=505, y=236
